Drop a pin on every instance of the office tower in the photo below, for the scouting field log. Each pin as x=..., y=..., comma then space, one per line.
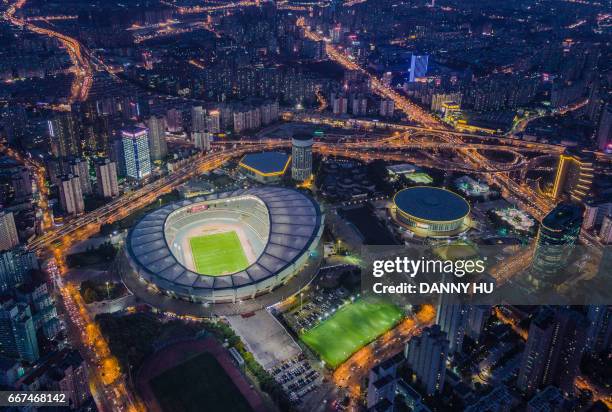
x=14, y=265
x=555, y=242
x=452, y=319
x=198, y=119
x=8, y=231
x=136, y=152
x=21, y=181
x=599, y=332
x=71, y=197
x=605, y=233
x=106, y=177
x=604, y=130
x=213, y=121
x=426, y=356
x=157, y=137
x=574, y=175
x=418, y=66
x=301, y=157
x=17, y=332
x=201, y=140
x=553, y=350
x=63, y=131
x=387, y=108
x=80, y=167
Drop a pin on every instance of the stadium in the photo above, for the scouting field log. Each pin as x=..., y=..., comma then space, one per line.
x=226, y=247
x=431, y=211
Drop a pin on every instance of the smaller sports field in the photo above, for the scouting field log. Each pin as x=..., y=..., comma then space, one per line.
x=349, y=329
x=218, y=253
x=198, y=384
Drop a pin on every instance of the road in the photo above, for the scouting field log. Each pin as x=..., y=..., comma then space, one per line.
x=82, y=68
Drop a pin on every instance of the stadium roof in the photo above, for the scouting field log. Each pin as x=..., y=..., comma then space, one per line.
x=432, y=204
x=295, y=220
x=266, y=163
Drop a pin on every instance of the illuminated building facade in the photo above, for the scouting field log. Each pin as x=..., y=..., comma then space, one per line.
x=431, y=211
x=265, y=167
x=136, y=152
x=574, y=176
x=555, y=241
x=301, y=155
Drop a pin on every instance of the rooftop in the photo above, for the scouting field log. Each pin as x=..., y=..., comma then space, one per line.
x=266, y=163
x=431, y=203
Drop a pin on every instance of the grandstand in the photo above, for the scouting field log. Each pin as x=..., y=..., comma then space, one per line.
x=189, y=250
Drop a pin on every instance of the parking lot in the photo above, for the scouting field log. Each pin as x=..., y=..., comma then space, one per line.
x=297, y=377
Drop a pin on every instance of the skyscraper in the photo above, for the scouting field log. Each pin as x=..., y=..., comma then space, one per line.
x=80, y=167
x=17, y=332
x=426, y=356
x=418, y=66
x=8, y=231
x=14, y=264
x=63, y=131
x=157, y=137
x=599, y=332
x=301, y=157
x=136, y=152
x=106, y=177
x=452, y=318
x=201, y=140
x=553, y=350
x=71, y=196
x=574, y=175
x=605, y=233
x=198, y=119
x=554, y=242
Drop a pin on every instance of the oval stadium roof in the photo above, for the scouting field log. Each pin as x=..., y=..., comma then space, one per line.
x=432, y=204
x=295, y=220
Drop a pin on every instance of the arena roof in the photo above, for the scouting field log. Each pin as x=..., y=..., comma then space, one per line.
x=431, y=204
x=295, y=221
x=266, y=163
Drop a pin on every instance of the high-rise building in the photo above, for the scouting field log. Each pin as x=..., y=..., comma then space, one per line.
x=605, y=233
x=418, y=66
x=80, y=167
x=17, y=332
x=174, y=120
x=452, y=318
x=201, y=140
x=426, y=356
x=106, y=177
x=8, y=232
x=553, y=350
x=21, y=181
x=14, y=265
x=574, y=175
x=599, y=332
x=71, y=196
x=136, y=152
x=198, y=119
x=339, y=104
x=604, y=130
x=555, y=241
x=301, y=157
x=213, y=121
x=157, y=137
x=387, y=108
x=63, y=131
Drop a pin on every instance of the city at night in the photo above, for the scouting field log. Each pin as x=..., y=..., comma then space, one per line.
x=306, y=205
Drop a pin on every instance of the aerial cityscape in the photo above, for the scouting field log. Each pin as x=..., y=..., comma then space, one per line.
x=306, y=205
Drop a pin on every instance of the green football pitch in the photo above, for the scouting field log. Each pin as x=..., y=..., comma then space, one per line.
x=349, y=329
x=218, y=253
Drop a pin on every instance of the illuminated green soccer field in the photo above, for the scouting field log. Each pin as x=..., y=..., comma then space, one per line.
x=351, y=328
x=218, y=253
